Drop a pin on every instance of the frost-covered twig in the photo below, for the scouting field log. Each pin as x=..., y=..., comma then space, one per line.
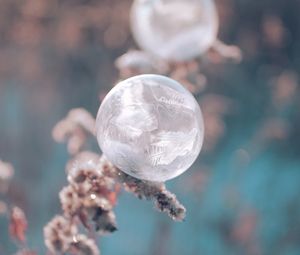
x=164, y=200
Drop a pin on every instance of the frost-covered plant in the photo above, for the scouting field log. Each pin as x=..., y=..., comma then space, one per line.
x=94, y=185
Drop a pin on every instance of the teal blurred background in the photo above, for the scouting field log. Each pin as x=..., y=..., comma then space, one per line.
x=243, y=193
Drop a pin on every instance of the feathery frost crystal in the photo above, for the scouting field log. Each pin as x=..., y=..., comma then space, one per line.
x=174, y=29
x=150, y=127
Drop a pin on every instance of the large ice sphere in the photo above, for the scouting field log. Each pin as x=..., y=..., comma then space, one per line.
x=174, y=29
x=150, y=127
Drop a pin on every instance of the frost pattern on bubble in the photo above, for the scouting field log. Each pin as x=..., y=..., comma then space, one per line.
x=150, y=127
x=174, y=29
x=167, y=146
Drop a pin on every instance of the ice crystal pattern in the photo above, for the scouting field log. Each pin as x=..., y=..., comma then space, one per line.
x=150, y=127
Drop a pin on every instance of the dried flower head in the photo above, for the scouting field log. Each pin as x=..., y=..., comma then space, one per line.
x=82, y=245
x=83, y=156
x=91, y=194
x=69, y=201
x=74, y=128
x=59, y=234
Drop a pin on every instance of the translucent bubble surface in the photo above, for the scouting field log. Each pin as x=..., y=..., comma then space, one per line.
x=150, y=127
x=174, y=29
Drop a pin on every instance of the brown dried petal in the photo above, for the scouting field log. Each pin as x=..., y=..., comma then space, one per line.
x=18, y=224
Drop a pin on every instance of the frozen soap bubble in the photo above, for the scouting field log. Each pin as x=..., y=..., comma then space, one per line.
x=150, y=127
x=174, y=29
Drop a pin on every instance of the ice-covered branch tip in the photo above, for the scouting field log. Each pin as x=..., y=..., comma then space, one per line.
x=164, y=200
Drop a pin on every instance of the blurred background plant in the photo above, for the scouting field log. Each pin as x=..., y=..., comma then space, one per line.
x=242, y=194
